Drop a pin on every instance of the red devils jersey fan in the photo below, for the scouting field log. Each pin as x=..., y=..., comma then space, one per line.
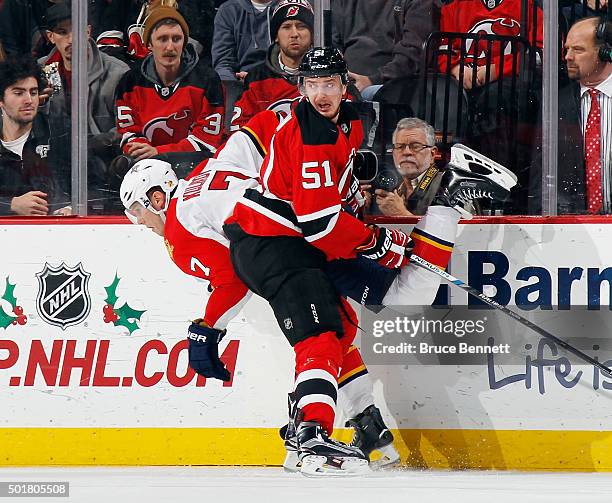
x=486, y=17
x=282, y=233
x=172, y=101
x=273, y=83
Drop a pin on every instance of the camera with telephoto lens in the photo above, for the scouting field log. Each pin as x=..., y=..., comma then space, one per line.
x=366, y=169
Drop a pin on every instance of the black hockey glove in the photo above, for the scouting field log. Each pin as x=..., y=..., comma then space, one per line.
x=204, y=350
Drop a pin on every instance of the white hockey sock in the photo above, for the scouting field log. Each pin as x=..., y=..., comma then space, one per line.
x=415, y=286
x=356, y=396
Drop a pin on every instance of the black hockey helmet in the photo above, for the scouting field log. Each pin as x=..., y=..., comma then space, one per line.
x=323, y=62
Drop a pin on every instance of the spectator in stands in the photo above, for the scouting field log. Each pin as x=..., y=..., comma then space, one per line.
x=273, y=83
x=585, y=120
x=23, y=25
x=484, y=17
x=103, y=75
x=28, y=184
x=121, y=26
x=172, y=101
x=414, y=150
x=241, y=37
x=382, y=40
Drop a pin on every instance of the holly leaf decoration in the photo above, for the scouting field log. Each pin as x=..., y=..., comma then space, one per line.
x=111, y=291
x=5, y=318
x=8, y=293
x=128, y=317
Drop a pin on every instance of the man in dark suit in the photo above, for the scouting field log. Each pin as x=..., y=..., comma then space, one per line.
x=589, y=89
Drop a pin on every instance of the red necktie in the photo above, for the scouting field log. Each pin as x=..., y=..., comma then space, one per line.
x=592, y=148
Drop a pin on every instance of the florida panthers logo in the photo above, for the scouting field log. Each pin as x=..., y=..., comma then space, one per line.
x=502, y=26
x=172, y=128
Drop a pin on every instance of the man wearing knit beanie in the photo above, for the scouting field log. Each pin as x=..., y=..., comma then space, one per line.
x=159, y=13
x=273, y=83
x=173, y=100
x=291, y=10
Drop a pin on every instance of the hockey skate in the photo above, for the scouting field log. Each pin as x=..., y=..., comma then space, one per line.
x=321, y=456
x=292, y=461
x=468, y=176
x=371, y=434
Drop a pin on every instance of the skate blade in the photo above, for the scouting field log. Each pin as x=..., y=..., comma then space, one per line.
x=317, y=466
x=389, y=458
x=465, y=214
x=292, y=463
x=465, y=158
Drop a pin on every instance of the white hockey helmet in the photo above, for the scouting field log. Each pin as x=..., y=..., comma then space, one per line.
x=140, y=179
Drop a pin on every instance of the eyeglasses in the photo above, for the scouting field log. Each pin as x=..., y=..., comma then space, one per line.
x=414, y=146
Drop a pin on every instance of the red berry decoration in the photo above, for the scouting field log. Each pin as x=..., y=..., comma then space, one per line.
x=14, y=322
x=18, y=310
x=107, y=309
x=22, y=319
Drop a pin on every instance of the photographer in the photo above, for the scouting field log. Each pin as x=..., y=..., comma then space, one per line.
x=414, y=151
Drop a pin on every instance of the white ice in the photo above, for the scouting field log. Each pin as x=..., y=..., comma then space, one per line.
x=267, y=485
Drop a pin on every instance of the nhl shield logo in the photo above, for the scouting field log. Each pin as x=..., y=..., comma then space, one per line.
x=63, y=296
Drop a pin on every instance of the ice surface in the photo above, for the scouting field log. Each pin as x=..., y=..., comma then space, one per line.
x=267, y=485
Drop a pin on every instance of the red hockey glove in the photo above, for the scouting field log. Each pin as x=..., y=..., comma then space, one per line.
x=387, y=247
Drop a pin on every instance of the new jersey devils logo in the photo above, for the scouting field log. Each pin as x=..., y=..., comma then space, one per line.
x=502, y=26
x=172, y=127
x=293, y=11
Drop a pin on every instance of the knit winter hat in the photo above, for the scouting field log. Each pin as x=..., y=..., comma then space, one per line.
x=289, y=10
x=159, y=13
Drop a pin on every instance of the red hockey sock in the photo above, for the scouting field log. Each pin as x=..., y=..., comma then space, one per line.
x=317, y=362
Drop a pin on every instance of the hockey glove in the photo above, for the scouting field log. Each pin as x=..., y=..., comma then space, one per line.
x=387, y=247
x=204, y=350
x=355, y=199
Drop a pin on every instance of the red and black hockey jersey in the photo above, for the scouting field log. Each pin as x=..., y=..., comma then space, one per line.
x=485, y=17
x=303, y=181
x=267, y=87
x=186, y=116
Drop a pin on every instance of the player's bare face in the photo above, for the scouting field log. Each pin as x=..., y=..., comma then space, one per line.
x=20, y=101
x=166, y=44
x=581, y=54
x=325, y=95
x=294, y=38
x=411, y=158
x=138, y=214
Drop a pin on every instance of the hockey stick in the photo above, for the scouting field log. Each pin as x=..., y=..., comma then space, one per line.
x=422, y=263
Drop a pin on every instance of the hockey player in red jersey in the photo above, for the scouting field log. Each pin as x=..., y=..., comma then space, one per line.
x=486, y=17
x=189, y=215
x=283, y=233
x=172, y=101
